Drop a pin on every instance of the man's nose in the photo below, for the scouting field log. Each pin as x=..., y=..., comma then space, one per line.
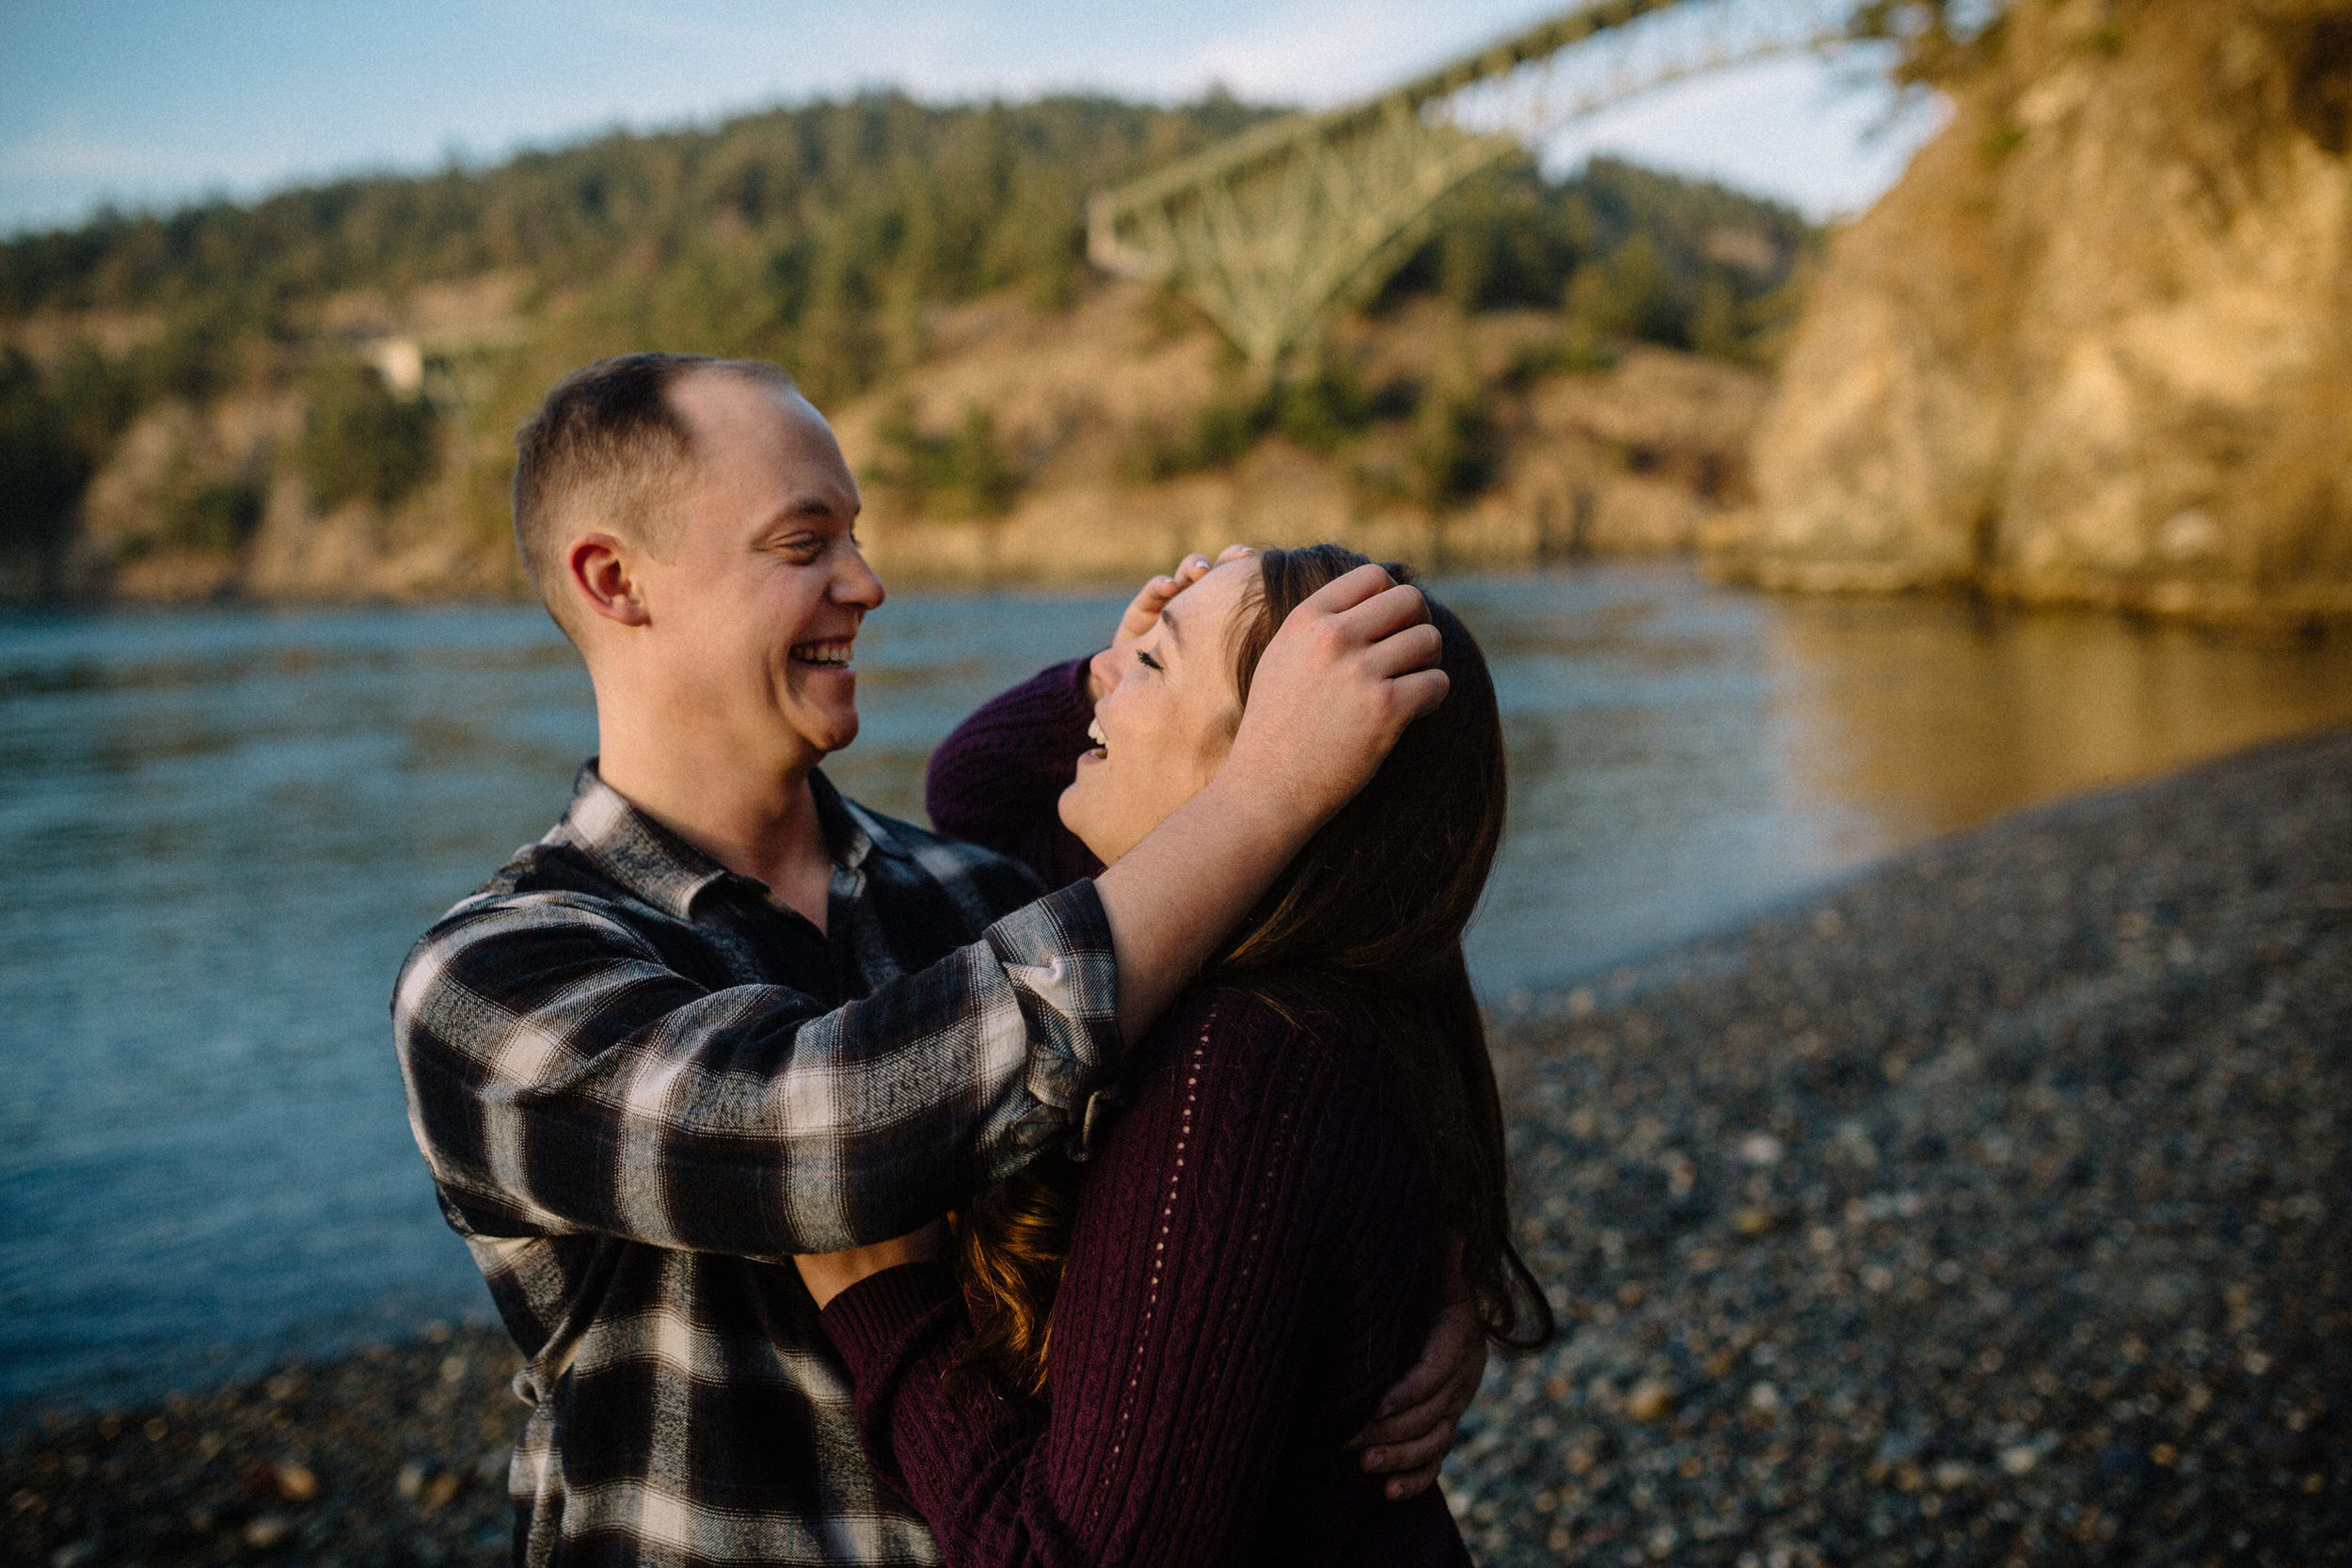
x=855, y=583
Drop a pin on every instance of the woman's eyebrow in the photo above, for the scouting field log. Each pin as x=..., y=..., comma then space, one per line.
x=1167, y=619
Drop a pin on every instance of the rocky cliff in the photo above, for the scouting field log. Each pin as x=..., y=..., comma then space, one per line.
x=1116, y=434
x=2096, y=347
x=1644, y=456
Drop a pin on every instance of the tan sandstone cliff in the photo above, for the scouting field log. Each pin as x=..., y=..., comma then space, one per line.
x=1641, y=459
x=2096, y=347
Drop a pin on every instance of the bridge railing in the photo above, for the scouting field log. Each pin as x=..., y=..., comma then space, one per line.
x=1276, y=230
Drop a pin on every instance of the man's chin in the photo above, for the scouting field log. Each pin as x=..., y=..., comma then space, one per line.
x=827, y=733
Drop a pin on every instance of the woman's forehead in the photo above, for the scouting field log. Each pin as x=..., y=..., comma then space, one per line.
x=1207, y=607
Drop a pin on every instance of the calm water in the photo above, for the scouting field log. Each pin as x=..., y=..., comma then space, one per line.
x=221, y=831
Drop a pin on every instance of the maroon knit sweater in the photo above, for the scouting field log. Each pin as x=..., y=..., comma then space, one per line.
x=1252, y=1265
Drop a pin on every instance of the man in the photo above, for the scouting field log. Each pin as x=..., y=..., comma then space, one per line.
x=721, y=1015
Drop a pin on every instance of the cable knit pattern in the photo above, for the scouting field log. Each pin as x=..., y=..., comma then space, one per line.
x=1252, y=1264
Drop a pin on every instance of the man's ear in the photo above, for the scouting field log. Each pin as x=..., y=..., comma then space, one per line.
x=597, y=567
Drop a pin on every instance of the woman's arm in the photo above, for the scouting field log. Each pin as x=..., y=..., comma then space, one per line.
x=998, y=780
x=1197, y=1294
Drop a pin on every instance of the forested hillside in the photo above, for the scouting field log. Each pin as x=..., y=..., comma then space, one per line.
x=312, y=393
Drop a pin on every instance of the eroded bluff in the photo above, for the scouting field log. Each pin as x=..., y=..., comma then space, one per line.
x=2096, y=345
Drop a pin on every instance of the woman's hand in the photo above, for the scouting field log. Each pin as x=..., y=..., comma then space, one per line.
x=829, y=1274
x=1143, y=613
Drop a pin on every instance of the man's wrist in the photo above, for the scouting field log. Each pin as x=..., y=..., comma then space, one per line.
x=1263, y=826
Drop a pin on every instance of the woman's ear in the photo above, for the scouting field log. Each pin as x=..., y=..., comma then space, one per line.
x=597, y=567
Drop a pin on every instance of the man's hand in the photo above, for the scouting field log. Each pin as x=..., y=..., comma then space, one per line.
x=1350, y=668
x=1409, y=1434
x=829, y=1274
x=1143, y=613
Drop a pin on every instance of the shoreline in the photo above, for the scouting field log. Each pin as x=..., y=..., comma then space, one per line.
x=2307, y=617
x=1987, y=1205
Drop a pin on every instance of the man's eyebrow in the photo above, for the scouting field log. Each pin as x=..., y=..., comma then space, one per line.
x=814, y=506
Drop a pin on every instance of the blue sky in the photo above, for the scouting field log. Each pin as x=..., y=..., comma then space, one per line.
x=154, y=102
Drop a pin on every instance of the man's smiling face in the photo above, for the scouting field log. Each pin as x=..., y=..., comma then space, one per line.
x=755, y=607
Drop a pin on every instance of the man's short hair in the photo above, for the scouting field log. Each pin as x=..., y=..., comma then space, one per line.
x=609, y=445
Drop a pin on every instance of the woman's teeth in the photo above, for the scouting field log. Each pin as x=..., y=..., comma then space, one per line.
x=832, y=654
x=1094, y=733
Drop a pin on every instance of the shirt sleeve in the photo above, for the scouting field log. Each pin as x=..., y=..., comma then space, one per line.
x=1197, y=1296
x=562, y=1078
x=998, y=780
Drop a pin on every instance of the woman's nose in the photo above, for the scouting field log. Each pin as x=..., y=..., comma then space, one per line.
x=1104, y=667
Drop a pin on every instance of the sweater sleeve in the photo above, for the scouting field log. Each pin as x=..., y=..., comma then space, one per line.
x=998, y=780
x=1195, y=1302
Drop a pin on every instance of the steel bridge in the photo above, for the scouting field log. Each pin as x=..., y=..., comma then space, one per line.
x=1276, y=230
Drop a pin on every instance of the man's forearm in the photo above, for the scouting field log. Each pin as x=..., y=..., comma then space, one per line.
x=1172, y=898
x=560, y=1080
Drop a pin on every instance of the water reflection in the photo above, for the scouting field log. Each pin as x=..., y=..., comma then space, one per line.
x=221, y=829
x=1923, y=717
x=1645, y=793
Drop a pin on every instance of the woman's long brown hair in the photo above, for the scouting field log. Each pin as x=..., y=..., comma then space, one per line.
x=1375, y=907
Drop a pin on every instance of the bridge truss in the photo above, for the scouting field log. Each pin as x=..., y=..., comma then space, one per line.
x=1276, y=230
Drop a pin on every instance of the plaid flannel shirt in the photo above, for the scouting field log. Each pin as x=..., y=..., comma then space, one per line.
x=643, y=1084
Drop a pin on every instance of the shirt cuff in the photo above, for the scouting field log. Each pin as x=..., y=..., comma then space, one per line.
x=1058, y=956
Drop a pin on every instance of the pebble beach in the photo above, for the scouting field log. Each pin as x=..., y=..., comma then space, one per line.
x=1992, y=1207
x=1995, y=1207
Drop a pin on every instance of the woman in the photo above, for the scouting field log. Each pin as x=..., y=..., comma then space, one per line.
x=1157, y=1357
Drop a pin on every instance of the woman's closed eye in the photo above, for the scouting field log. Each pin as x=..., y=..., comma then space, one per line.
x=1146, y=660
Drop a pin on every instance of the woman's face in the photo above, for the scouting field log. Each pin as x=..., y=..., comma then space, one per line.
x=1162, y=731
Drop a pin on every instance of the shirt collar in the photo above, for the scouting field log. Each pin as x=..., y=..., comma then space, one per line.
x=666, y=871
x=851, y=829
